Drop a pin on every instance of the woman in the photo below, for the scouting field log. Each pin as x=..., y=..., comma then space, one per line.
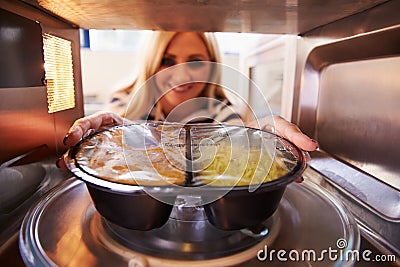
x=179, y=81
x=177, y=67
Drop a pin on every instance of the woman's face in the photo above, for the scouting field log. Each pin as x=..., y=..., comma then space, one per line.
x=179, y=82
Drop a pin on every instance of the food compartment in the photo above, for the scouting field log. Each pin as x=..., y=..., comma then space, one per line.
x=131, y=172
x=246, y=176
x=135, y=172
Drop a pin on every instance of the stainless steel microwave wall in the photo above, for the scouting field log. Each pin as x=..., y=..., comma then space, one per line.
x=346, y=85
x=25, y=120
x=278, y=17
x=347, y=94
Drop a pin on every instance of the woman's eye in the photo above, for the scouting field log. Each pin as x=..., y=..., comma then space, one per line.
x=168, y=62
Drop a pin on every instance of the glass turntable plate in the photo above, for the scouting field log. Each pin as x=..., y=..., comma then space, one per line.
x=65, y=229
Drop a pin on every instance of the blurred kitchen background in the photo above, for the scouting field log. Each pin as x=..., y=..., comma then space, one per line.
x=109, y=62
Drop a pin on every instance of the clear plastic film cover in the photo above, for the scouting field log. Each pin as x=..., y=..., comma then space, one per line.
x=173, y=154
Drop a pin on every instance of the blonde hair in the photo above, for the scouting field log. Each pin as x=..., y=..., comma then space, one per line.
x=143, y=99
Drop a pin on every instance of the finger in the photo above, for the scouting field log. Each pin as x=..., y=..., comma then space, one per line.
x=97, y=120
x=299, y=180
x=60, y=163
x=301, y=140
x=291, y=132
x=94, y=121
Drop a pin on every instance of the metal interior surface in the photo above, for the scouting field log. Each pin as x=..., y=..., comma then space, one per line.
x=22, y=187
x=317, y=22
x=223, y=15
x=64, y=228
x=361, y=106
x=347, y=100
x=24, y=63
x=24, y=118
x=377, y=232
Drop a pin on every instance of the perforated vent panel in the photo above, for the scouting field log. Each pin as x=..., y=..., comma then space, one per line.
x=59, y=73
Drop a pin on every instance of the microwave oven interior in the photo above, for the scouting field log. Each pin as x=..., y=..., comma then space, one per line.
x=346, y=87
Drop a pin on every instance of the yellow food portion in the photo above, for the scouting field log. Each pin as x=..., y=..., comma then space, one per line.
x=248, y=168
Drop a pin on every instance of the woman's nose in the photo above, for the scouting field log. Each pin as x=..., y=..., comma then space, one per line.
x=181, y=74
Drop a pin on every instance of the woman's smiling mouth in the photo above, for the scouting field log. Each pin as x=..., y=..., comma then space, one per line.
x=181, y=88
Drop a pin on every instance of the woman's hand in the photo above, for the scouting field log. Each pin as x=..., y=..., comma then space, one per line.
x=291, y=132
x=85, y=125
x=287, y=130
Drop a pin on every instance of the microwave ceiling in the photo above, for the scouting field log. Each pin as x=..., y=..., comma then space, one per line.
x=267, y=16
